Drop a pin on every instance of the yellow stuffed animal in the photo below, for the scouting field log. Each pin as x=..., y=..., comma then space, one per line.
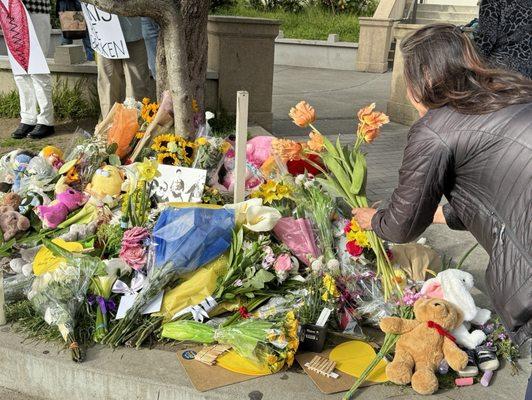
x=424, y=343
x=107, y=180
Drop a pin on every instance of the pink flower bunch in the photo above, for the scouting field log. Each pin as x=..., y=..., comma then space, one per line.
x=410, y=297
x=282, y=266
x=133, y=251
x=269, y=257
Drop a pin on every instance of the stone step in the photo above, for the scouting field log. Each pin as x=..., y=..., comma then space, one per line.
x=448, y=8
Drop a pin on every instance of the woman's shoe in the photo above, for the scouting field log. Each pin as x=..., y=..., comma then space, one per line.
x=22, y=131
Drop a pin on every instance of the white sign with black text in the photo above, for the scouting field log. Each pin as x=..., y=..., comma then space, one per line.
x=105, y=32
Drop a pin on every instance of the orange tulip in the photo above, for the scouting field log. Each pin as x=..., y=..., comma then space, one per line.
x=287, y=150
x=368, y=133
x=316, y=142
x=370, y=122
x=303, y=114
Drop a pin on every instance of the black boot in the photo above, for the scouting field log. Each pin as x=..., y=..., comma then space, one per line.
x=41, y=131
x=22, y=131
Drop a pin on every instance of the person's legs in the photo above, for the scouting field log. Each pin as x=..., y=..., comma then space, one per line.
x=28, y=106
x=88, y=49
x=136, y=70
x=42, y=85
x=150, y=33
x=109, y=83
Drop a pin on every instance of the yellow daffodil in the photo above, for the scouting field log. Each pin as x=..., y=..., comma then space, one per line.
x=330, y=288
x=148, y=169
x=202, y=141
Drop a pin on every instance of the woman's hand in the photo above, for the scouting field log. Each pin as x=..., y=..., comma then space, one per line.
x=363, y=216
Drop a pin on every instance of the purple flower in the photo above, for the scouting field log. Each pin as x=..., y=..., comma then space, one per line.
x=502, y=336
x=489, y=343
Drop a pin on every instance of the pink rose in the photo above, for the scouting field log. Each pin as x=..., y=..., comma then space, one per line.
x=135, y=235
x=134, y=256
x=283, y=263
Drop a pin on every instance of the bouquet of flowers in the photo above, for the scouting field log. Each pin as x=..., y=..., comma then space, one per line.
x=100, y=293
x=345, y=172
x=58, y=294
x=266, y=343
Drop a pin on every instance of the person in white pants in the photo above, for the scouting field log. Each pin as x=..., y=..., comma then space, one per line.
x=36, y=89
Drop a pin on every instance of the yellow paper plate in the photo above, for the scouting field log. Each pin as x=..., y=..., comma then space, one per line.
x=353, y=357
x=236, y=363
x=46, y=261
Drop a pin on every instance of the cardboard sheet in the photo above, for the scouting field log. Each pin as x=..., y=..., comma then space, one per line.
x=324, y=384
x=206, y=377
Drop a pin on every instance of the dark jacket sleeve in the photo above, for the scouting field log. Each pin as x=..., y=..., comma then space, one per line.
x=452, y=219
x=488, y=26
x=422, y=179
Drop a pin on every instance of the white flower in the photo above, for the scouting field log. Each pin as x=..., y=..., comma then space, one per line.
x=261, y=218
x=209, y=115
x=317, y=264
x=241, y=209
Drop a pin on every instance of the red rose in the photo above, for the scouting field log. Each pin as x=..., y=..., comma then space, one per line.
x=354, y=249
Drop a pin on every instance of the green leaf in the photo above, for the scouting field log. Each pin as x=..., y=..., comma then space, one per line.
x=261, y=278
x=359, y=174
x=114, y=160
x=338, y=171
x=112, y=148
x=249, y=295
x=330, y=147
x=330, y=187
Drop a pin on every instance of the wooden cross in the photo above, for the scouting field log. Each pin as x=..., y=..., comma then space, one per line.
x=323, y=366
x=242, y=102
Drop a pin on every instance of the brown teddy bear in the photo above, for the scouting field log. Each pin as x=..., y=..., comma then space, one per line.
x=11, y=221
x=424, y=343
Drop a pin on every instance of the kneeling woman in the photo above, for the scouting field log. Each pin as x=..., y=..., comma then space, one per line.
x=473, y=145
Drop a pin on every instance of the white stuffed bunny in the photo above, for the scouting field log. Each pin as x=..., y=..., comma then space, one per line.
x=454, y=286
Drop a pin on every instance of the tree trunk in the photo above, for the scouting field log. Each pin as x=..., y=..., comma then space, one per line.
x=181, y=53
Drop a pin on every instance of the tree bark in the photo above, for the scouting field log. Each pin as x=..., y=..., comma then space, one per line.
x=181, y=53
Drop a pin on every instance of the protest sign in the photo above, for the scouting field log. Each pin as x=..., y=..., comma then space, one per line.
x=105, y=32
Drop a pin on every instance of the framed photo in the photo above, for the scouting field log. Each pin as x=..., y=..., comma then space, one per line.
x=179, y=184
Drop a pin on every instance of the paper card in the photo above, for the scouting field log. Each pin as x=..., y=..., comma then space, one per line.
x=105, y=32
x=179, y=184
x=23, y=48
x=126, y=302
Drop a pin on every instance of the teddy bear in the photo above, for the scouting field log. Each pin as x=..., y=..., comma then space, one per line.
x=454, y=285
x=57, y=211
x=12, y=222
x=424, y=342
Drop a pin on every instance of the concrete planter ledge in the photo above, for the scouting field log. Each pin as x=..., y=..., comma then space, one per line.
x=330, y=54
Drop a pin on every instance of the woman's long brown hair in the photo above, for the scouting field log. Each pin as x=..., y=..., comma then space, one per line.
x=442, y=67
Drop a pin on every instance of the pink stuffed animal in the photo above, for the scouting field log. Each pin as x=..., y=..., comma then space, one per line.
x=57, y=211
x=258, y=150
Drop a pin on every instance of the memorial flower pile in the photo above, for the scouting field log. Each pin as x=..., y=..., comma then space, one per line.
x=125, y=245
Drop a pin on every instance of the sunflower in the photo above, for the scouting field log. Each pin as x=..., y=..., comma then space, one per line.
x=168, y=159
x=149, y=111
x=160, y=143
